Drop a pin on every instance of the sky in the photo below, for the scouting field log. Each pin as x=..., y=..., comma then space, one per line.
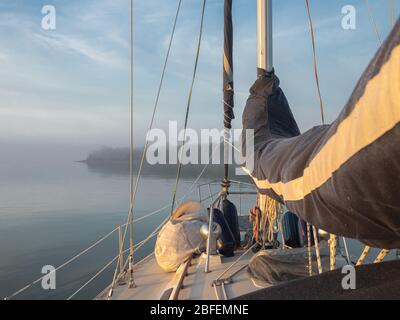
x=70, y=86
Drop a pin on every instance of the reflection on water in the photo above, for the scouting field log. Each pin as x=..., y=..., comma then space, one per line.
x=51, y=211
x=166, y=171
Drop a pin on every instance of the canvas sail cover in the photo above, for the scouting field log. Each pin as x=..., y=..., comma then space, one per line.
x=343, y=177
x=228, y=66
x=180, y=237
x=274, y=267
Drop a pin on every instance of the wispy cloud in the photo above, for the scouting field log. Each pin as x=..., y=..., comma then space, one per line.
x=78, y=46
x=60, y=82
x=155, y=17
x=301, y=29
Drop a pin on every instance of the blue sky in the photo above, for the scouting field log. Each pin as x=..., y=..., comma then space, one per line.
x=70, y=85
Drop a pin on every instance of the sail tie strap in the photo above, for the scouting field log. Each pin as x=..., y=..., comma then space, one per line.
x=332, y=251
x=364, y=254
x=382, y=255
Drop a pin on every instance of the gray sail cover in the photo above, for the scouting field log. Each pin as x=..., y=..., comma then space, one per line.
x=345, y=177
x=228, y=66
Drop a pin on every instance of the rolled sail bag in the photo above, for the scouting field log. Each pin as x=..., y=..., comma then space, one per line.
x=180, y=238
x=226, y=242
x=231, y=217
x=273, y=267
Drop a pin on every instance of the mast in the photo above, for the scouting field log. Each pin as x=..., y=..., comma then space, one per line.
x=264, y=36
x=228, y=87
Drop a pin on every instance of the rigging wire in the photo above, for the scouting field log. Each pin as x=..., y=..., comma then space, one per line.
x=315, y=63
x=114, y=230
x=62, y=265
x=131, y=129
x=167, y=218
x=96, y=275
x=190, y=190
x=347, y=251
x=131, y=121
x=105, y=268
x=138, y=246
x=150, y=214
x=373, y=21
x=189, y=102
x=142, y=160
x=134, y=190
x=116, y=274
x=392, y=13
x=75, y=257
x=158, y=94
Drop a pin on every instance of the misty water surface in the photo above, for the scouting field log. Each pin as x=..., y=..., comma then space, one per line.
x=52, y=208
x=49, y=211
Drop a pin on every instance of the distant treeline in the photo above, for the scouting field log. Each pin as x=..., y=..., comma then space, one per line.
x=109, y=160
x=111, y=155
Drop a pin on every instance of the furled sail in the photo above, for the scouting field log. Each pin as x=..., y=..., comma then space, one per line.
x=343, y=177
x=228, y=66
x=228, y=89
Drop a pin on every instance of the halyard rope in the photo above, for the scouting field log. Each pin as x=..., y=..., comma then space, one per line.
x=310, y=270
x=321, y=103
x=317, y=252
x=315, y=63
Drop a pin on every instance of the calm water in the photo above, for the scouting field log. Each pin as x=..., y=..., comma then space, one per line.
x=51, y=210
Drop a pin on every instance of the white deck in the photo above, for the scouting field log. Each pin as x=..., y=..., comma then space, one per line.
x=152, y=283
